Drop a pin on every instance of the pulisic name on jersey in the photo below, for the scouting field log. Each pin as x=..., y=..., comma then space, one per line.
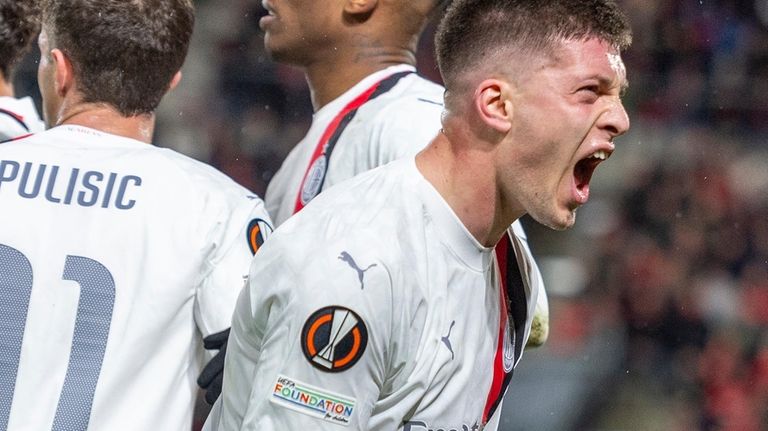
x=312, y=401
x=69, y=186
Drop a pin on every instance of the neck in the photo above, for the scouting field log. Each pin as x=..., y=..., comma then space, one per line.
x=464, y=175
x=332, y=75
x=106, y=119
x=6, y=87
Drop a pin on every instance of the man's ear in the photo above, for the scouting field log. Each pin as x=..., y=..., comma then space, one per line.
x=359, y=7
x=174, y=81
x=493, y=105
x=64, y=72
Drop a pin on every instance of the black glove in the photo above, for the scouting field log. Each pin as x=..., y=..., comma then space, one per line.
x=212, y=376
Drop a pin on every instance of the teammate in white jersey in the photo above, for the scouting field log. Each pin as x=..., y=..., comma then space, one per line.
x=116, y=256
x=19, y=23
x=389, y=312
x=371, y=107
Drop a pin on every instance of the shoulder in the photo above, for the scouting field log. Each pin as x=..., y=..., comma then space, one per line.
x=364, y=204
x=203, y=178
x=404, y=121
x=18, y=117
x=11, y=126
x=414, y=97
x=372, y=212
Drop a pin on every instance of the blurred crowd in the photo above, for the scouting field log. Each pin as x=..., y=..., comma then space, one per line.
x=684, y=269
x=686, y=261
x=682, y=258
x=674, y=243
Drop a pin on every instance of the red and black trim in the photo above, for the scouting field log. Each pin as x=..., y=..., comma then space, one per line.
x=18, y=118
x=331, y=136
x=514, y=306
x=18, y=138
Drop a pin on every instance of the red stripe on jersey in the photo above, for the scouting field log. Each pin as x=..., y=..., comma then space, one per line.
x=499, y=375
x=18, y=138
x=337, y=125
x=18, y=117
x=320, y=148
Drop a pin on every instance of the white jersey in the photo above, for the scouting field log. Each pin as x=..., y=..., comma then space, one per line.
x=18, y=117
x=381, y=313
x=397, y=123
x=115, y=257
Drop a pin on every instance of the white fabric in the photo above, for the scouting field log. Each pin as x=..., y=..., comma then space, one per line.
x=28, y=120
x=177, y=252
x=396, y=124
x=429, y=272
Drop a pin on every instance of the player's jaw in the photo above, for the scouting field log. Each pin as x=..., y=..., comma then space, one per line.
x=574, y=185
x=285, y=32
x=554, y=197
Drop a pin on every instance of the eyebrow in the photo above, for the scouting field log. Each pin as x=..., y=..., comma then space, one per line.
x=606, y=82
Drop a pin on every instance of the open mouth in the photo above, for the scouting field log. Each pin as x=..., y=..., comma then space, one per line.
x=582, y=172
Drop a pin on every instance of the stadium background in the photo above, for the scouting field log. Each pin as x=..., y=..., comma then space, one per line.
x=659, y=295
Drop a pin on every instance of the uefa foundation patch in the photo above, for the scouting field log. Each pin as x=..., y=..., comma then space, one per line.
x=312, y=401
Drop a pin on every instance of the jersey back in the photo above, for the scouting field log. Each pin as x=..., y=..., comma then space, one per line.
x=115, y=256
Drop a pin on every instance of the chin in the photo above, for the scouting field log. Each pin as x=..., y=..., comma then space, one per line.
x=559, y=220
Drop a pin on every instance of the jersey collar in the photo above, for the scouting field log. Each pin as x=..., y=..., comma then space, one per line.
x=338, y=103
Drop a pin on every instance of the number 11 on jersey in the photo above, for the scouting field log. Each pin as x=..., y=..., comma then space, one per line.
x=89, y=341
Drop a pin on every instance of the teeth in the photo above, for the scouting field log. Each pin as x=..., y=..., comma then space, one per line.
x=600, y=154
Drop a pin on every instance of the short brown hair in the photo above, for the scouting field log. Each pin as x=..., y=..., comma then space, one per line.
x=473, y=29
x=19, y=24
x=124, y=52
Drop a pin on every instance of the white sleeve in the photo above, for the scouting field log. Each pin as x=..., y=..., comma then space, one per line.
x=309, y=340
x=10, y=128
x=240, y=229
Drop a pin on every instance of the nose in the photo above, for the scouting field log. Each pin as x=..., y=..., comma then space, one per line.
x=615, y=120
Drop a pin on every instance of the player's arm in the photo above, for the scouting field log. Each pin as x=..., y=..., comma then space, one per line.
x=308, y=349
x=239, y=232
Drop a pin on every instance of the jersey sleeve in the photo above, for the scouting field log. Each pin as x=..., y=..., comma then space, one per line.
x=309, y=341
x=10, y=128
x=240, y=228
x=405, y=128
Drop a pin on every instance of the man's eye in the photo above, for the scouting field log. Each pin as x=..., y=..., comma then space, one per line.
x=590, y=89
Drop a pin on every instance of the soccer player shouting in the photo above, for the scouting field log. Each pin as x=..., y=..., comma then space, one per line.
x=19, y=23
x=384, y=309
x=371, y=107
x=115, y=255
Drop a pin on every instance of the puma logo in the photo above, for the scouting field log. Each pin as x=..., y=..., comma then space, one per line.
x=447, y=339
x=346, y=257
